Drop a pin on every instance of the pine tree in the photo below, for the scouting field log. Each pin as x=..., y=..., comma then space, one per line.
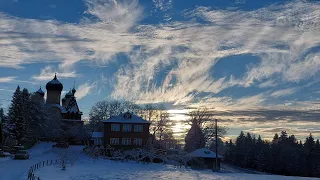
x=25, y=112
x=195, y=138
x=1, y=115
x=1, y=125
x=15, y=116
x=240, y=149
x=38, y=116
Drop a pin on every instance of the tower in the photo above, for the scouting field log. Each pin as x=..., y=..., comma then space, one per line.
x=54, y=88
x=40, y=92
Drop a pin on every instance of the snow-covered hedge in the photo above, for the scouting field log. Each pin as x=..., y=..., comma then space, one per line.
x=151, y=155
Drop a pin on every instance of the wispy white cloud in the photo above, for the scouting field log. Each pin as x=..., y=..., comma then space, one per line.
x=269, y=83
x=47, y=73
x=84, y=90
x=279, y=35
x=7, y=79
x=284, y=92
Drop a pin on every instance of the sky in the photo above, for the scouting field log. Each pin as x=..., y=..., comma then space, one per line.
x=254, y=64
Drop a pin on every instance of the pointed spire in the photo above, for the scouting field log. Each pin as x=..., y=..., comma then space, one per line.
x=74, y=88
x=55, y=76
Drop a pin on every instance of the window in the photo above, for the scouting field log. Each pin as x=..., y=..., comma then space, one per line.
x=137, y=141
x=126, y=141
x=126, y=128
x=138, y=128
x=115, y=127
x=114, y=141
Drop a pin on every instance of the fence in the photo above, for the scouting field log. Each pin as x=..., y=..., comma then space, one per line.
x=39, y=165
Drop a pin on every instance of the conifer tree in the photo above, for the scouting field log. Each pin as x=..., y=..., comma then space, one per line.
x=1, y=125
x=195, y=138
x=15, y=116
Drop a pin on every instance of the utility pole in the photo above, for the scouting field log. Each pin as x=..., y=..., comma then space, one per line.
x=216, y=144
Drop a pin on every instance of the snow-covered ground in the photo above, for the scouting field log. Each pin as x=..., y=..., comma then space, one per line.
x=86, y=168
x=17, y=169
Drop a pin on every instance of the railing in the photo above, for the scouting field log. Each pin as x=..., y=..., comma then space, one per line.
x=39, y=165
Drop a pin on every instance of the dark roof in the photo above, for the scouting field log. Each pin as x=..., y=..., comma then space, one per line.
x=40, y=92
x=126, y=118
x=54, y=84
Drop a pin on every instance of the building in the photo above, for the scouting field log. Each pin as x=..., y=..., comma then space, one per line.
x=125, y=131
x=68, y=107
x=97, y=138
x=205, y=158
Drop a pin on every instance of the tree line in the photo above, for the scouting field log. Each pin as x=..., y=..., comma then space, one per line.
x=284, y=155
x=29, y=119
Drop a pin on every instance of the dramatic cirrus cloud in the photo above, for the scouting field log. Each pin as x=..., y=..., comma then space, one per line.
x=230, y=59
x=283, y=92
x=83, y=90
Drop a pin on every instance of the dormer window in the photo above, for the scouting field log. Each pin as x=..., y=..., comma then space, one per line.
x=127, y=116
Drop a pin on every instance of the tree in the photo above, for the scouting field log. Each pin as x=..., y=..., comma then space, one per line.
x=1, y=124
x=1, y=115
x=105, y=109
x=195, y=138
x=26, y=116
x=14, y=116
x=206, y=121
x=221, y=146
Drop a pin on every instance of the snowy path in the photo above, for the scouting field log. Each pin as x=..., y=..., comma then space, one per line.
x=17, y=169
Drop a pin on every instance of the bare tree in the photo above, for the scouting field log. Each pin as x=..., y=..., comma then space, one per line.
x=105, y=109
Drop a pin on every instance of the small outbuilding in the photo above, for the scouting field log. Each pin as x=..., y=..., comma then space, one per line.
x=204, y=158
x=97, y=138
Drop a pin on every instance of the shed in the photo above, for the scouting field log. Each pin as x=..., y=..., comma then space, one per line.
x=205, y=158
x=97, y=138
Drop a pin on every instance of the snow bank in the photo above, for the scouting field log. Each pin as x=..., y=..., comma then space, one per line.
x=104, y=170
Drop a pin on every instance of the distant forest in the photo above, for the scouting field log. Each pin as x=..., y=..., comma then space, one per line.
x=284, y=155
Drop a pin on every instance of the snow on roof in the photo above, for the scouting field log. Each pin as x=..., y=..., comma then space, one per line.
x=69, y=93
x=40, y=91
x=97, y=134
x=127, y=118
x=205, y=153
x=74, y=120
x=55, y=81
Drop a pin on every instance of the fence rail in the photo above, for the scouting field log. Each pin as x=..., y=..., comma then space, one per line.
x=39, y=165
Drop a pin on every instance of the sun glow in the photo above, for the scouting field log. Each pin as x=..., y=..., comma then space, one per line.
x=179, y=117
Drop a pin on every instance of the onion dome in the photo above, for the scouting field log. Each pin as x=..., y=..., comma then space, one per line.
x=54, y=84
x=69, y=94
x=40, y=92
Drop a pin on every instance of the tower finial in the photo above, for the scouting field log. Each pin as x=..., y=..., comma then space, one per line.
x=74, y=88
x=55, y=76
